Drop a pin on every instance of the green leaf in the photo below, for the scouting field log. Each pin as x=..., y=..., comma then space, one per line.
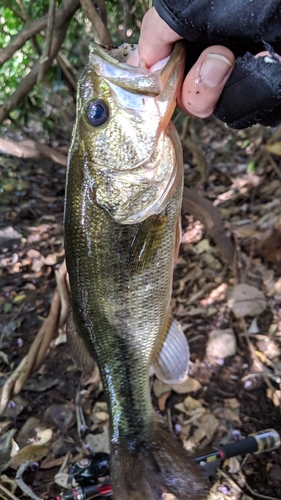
x=7, y=307
x=251, y=167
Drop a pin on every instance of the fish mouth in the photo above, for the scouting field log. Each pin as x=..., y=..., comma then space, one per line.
x=110, y=63
x=145, y=100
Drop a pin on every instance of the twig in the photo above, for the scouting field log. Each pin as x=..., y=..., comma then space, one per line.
x=126, y=12
x=22, y=8
x=28, y=19
x=185, y=125
x=63, y=285
x=248, y=263
x=273, y=163
x=80, y=419
x=199, y=157
x=61, y=59
x=48, y=40
x=65, y=66
x=259, y=494
x=144, y=7
x=8, y=387
x=29, y=81
x=63, y=13
x=8, y=494
x=255, y=357
x=169, y=418
x=16, y=314
x=14, y=11
x=202, y=209
x=101, y=9
x=231, y=482
x=57, y=317
x=275, y=135
x=21, y=484
x=101, y=33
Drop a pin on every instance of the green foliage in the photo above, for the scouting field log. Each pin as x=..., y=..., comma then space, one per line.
x=251, y=167
x=51, y=103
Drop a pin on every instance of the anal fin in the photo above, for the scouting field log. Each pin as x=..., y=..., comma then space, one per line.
x=171, y=356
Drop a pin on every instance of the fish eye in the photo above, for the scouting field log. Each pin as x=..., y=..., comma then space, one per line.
x=97, y=112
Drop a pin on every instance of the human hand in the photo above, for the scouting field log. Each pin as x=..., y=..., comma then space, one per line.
x=204, y=82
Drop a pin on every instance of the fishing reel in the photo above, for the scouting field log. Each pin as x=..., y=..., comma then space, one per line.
x=91, y=473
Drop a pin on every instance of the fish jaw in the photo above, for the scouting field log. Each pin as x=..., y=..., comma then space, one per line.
x=129, y=162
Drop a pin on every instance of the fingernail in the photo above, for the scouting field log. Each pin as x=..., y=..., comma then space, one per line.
x=214, y=69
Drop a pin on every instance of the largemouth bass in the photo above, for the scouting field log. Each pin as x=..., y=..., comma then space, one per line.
x=123, y=200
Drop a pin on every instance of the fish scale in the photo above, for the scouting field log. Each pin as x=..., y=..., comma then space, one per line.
x=120, y=263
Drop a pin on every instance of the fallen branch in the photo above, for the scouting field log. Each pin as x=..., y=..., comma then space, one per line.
x=202, y=209
x=57, y=317
x=21, y=484
x=31, y=149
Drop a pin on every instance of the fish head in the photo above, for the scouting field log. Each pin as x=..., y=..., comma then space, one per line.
x=122, y=133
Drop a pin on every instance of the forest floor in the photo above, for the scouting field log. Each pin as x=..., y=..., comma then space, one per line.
x=234, y=330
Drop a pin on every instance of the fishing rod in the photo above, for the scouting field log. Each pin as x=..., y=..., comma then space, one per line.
x=88, y=471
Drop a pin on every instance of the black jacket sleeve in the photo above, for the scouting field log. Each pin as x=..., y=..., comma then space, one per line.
x=253, y=92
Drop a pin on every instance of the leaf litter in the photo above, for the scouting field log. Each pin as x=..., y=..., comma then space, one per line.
x=230, y=314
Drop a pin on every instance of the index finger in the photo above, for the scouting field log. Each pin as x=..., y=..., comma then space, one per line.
x=156, y=39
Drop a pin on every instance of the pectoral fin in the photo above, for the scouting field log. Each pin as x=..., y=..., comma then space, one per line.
x=146, y=241
x=171, y=357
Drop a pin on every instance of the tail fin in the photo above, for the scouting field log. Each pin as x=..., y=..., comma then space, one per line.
x=146, y=470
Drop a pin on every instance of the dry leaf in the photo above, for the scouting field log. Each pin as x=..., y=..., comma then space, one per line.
x=62, y=415
x=99, y=417
x=27, y=431
x=51, y=259
x=8, y=483
x=180, y=407
x=15, y=407
x=233, y=465
x=34, y=452
x=253, y=328
x=208, y=425
x=99, y=442
x=216, y=295
x=202, y=246
x=162, y=400
x=50, y=461
x=228, y=415
x=191, y=404
x=185, y=431
x=62, y=479
x=276, y=398
x=274, y=148
x=6, y=445
x=187, y=385
x=246, y=300
x=100, y=413
x=231, y=403
x=221, y=344
x=42, y=385
x=160, y=387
